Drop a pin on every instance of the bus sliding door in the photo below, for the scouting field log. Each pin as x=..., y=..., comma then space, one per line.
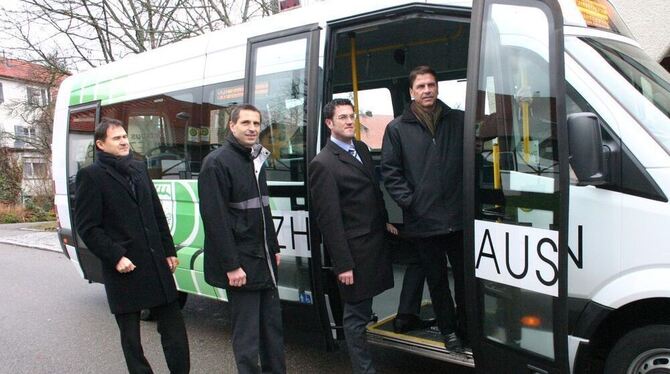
x=282, y=81
x=516, y=188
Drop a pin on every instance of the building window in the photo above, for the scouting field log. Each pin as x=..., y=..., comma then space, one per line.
x=37, y=96
x=34, y=169
x=2, y=94
x=23, y=135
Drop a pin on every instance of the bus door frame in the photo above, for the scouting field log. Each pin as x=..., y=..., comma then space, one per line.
x=491, y=355
x=90, y=265
x=314, y=83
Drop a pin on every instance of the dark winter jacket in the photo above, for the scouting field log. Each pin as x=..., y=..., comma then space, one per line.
x=115, y=222
x=235, y=211
x=424, y=174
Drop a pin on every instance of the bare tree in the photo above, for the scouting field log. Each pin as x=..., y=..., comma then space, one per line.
x=95, y=32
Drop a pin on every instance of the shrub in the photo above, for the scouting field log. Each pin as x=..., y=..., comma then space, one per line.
x=11, y=213
x=10, y=178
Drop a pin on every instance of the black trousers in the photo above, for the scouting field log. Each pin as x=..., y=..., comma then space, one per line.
x=354, y=321
x=257, y=331
x=411, y=293
x=432, y=252
x=170, y=325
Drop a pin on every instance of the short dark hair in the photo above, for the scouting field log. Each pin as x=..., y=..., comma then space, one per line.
x=102, y=127
x=329, y=109
x=419, y=70
x=235, y=114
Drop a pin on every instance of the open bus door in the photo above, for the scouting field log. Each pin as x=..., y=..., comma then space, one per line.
x=288, y=61
x=516, y=188
x=81, y=152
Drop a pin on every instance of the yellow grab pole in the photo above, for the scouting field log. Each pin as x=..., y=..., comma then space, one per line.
x=525, y=118
x=496, y=164
x=354, y=79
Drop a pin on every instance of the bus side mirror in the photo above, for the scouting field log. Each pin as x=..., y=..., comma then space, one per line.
x=586, y=149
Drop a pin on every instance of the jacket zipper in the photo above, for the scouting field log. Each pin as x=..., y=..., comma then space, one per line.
x=265, y=232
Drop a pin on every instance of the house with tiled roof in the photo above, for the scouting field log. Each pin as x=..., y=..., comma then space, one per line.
x=25, y=92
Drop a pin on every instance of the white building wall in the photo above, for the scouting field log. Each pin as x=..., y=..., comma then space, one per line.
x=13, y=91
x=648, y=20
x=16, y=91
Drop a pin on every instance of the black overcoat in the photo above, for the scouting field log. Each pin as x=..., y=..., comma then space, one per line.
x=114, y=222
x=349, y=210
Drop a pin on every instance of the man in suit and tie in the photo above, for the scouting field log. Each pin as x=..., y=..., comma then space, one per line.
x=349, y=210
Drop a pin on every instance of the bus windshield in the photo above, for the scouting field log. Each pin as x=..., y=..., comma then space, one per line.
x=633, y=74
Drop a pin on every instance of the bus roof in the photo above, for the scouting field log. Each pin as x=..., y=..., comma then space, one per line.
x=224, y=51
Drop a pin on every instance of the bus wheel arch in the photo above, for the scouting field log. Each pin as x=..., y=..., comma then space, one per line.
x=619, y=323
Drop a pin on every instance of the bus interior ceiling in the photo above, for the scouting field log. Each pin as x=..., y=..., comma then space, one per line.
x=387, y=51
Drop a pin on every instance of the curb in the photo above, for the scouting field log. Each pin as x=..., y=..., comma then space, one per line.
x=34, y=246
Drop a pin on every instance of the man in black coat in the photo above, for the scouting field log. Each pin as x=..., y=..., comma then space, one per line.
x=349, y=210
x=241, y=247
x=120, y=219
x=422, y=165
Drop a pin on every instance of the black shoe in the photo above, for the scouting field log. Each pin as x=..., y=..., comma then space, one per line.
x=453, y=343
x=408, y=322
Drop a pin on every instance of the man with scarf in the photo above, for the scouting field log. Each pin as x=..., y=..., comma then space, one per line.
x=422, y=167
x=120, y=219
x=241, y=247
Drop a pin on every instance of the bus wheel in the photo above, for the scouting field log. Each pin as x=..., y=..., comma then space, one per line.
x=643, y=350
x=145, y=314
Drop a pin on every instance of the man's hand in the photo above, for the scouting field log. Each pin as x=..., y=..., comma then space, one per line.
x=392, y=229
x=347, y=277
x=278, y=258
x=237, y=277
x=125, y=265
x=172, y=262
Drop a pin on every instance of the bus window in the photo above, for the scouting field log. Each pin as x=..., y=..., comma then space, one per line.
x=166, y=132
x=452, y=93
x=81, y=149
x=219, y=100
x=280, y=94
x=375, y=112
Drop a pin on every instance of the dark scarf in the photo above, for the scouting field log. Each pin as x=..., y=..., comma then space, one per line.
x=122, y=166
x=429, y=118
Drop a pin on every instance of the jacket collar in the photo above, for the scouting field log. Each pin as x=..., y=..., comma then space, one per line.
x=234, y=144
x=347, y=158
x=408, y=115
x=261, y=152
x=120, y=178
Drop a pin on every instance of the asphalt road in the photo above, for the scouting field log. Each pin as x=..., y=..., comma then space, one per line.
x=52, y=321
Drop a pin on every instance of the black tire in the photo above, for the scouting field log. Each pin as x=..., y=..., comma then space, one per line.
x=182, y=297
x=641, y=351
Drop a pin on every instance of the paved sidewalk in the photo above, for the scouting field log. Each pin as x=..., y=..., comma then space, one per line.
x=29, y=235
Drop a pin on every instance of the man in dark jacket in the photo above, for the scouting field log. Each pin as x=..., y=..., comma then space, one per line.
x=349, y=210
x=422, y=165
x=241, y=248
x=120, y=219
